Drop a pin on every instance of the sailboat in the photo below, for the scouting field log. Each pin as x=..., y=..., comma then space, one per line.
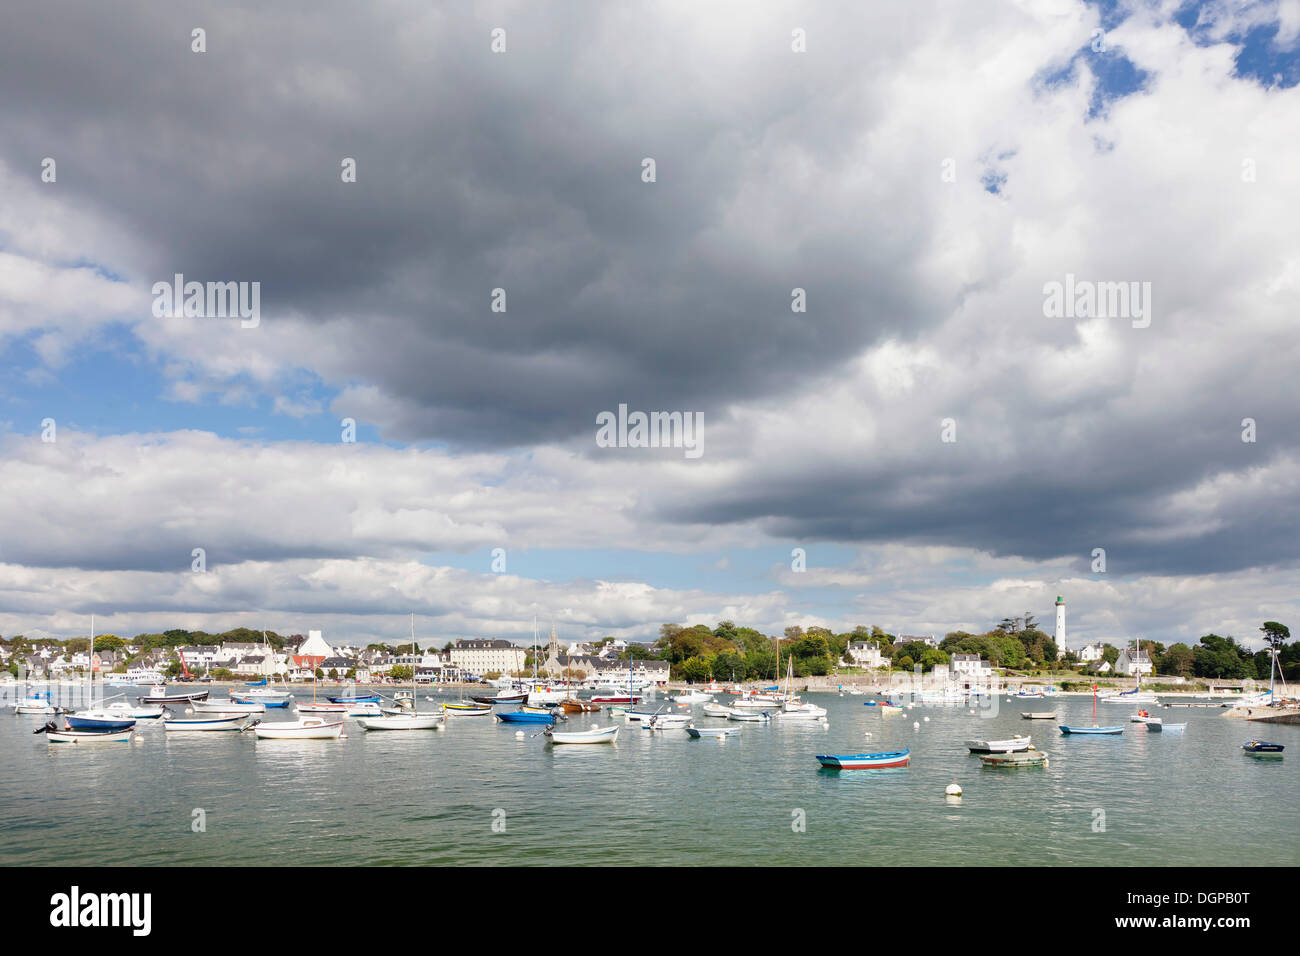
x=411, y=720
x=1094, y=729
x=93, y=718
x=1136, y=695
x=792, y=709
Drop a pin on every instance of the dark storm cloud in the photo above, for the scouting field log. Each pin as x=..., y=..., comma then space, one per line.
x=477, y=171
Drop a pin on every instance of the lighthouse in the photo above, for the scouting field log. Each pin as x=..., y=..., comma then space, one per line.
x=1060, y=627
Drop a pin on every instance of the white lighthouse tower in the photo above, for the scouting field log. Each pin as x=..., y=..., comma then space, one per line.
x=1060, y=626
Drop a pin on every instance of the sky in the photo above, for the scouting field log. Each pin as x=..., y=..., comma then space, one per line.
x=925, y=445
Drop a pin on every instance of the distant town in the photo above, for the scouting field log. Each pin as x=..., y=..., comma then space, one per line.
x=695, y=654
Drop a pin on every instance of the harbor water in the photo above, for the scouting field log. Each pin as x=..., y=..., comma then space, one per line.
x=474, y=793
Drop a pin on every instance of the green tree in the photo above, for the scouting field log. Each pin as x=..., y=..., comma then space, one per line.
x=695, y=670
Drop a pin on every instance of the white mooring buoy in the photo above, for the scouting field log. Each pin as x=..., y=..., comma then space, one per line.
x=952, y=790
x=519, y=735
x=916, y=725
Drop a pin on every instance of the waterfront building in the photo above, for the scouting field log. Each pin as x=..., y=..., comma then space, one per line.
x=1130, y=663
x=865, y=654
x=483, y=656
x=970, y=667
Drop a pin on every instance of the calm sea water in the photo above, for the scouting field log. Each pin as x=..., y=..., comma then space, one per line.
x=431, y=797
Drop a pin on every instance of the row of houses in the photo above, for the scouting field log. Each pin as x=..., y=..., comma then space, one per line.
x=972, y=667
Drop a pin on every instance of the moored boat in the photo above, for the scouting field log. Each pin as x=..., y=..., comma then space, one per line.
x=572, y=705
x=1038, y=714
x=1022, y=758
x=595, y=735
x=878, y=761
x=754, y=717
x=210, y=722
x=304, y=707
x=666, y=722
x=227, y=707
x=271, y=699
x=1090, y=731
x=166, y=699
x=525, y=717
x=355, y=699
x=309, y=728
x=98, y=719
x=716, y=710
x=1262, y=747
x=792, y=711
x=466, y=710
x=138, y=712
x=71, y=736
x=698, y=732
x=501, y=698
x=1004, y=746
x=401, y=722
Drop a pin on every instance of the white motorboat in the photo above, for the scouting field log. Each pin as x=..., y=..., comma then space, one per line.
x=801, y=712
x=749, y=716
x=208, y=722
x=688, y=697
x=309, y=728
x=596, y=735
x=698, y=732
x=716, y=710
x=543, y=697
x=1038, y=714
x=665, y=722
x=227, y=707
x=364, y=708
x=34, y=704
x=56, y=736
x=1008, y=746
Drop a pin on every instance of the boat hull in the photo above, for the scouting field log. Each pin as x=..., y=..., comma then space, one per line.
x=368, y=699
x=310, y=729
x=76, y=722
x=696, y=733
x=402, y=722
x=596, y=735
x=1031, y=715
x=523, y=717
x=1012, y=745
x=1026, y=758
x=1090, y=731
x=205, y=724
x=1262, y=747
x=165, y=699
x=878, y=761
x=465, y=710
x=90, y=736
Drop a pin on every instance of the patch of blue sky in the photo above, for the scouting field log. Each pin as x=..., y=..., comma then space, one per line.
x=1259, y=54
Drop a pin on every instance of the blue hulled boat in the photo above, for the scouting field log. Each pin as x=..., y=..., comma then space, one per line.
x=525, y=717
x=99, y=720
x=1262, y=747
x=264, y=701
x=371, y=699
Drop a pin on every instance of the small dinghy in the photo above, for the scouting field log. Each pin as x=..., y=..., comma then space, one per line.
x=697, y=732
x=666, y=722
x=572, y=705
x=56, y=736
x=364, y=699
x=502, y=698
x=227, y=707
x=1160, y=726
x=303, y=707
x=1038, y=715
x=263, y=700
x=880, y=761
x=1023, y=758
x=401, y=722
x=467, y=710
x=165, y=699
x=1010, y=745
x=1090, y=731
x=1262, y=747
x=309, y=728
x=596, y=735
x=525, y=717
x=210, y=722
x=716, y=710
x=753, y=717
